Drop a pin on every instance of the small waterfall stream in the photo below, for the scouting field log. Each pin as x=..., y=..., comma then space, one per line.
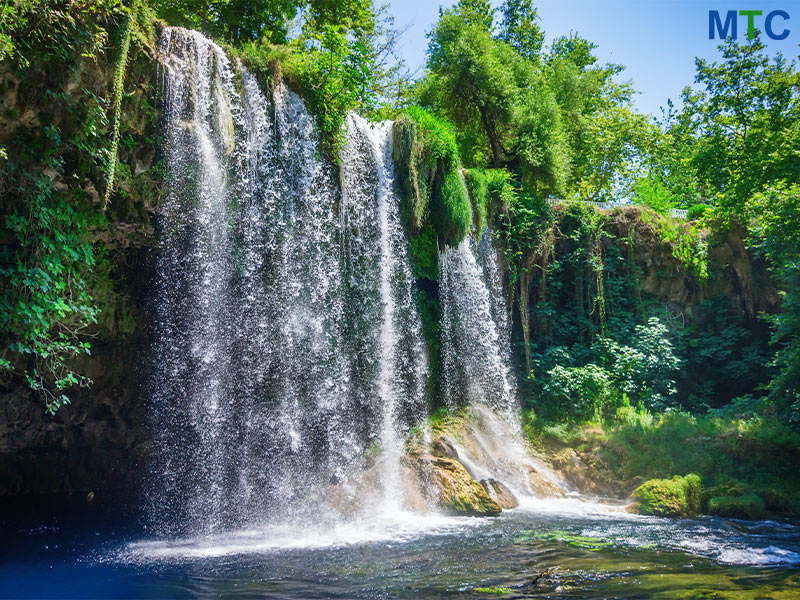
x=475, y=330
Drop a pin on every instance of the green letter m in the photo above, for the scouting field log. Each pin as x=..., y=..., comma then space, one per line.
x=714, y=22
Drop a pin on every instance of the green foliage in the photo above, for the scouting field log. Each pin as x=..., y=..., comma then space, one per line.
x=235, y=21
x=433, y=188
x=722, y=357
x=774, y=215
x=749, y=506
x=335, y=66
x=44, y=304
x=50, y=174
x=696, y=211
x=587, y=393
x=55, y=28
x=344, y=59
x=520, y=28
x=688, y=241
x=758, y=452
x=450, y=208
x=676, y=497
x=651, y=191
x=118, y=91
x=646, y=369
x=740, y=130
x=478, y=187
x=642, y=372
x=502, y=109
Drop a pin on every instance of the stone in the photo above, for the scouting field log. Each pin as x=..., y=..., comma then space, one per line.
x=676, y=497
x=459, y=493
x=500, y=493
x=541, y=486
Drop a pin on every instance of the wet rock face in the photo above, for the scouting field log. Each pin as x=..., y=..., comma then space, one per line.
x=541, y=486
x=459, y=493
x=575, y=471
x=95, y=443
x=500, y=493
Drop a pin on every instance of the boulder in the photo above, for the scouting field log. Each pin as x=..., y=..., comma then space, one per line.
x=541, y=485
x=444, y=447
x=574, y=470
x=459, y=493
x=676, y=497
x=500, y=493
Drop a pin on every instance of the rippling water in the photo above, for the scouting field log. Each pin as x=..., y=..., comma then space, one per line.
x=545, y=549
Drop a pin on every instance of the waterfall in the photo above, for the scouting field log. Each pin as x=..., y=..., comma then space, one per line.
x=475, y=329
x=287, y=342
x=367, y=187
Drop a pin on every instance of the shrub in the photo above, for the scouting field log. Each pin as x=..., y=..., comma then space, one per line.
x=585, y=393
x=749, y=506
x=696, y=211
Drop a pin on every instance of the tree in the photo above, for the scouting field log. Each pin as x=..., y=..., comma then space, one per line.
x=775, y=232
x=236, y=21
x=520, y=28
x=606, y=136
x=505, y=113
x=742, y=127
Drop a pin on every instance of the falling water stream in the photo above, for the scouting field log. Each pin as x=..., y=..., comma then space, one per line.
x=288, y=370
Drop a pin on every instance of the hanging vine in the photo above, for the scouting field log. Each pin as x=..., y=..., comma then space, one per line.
x=118, y=91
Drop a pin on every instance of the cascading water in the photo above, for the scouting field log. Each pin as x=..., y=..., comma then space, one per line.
x=287, y=340
x=476, y=352
x=475, y=331
x=367, y=191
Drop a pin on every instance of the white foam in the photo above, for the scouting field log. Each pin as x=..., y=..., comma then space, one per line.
x=400, y=526
x=771, y=555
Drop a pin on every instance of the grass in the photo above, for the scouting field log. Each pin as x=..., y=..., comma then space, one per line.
x=733, y=457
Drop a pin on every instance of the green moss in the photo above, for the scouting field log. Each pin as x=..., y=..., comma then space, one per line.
x=576, y=541
x=451, y=209
x=498, y=590
x=749, y=506
x=478, y=187
x=118, y=91
x=676, y=497
x=426, y=153
x=424, y=254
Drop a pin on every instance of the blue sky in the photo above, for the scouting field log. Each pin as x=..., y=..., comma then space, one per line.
x=656, y=40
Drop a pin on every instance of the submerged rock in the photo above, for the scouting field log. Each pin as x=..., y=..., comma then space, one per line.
x=500, y=493
x=676, y=497
x=459, y=493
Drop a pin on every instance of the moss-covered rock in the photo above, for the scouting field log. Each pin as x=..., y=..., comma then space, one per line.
x=459, y=493
x=426, y=154
x=500, y=493
x=676, y=497
x=749, y=506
